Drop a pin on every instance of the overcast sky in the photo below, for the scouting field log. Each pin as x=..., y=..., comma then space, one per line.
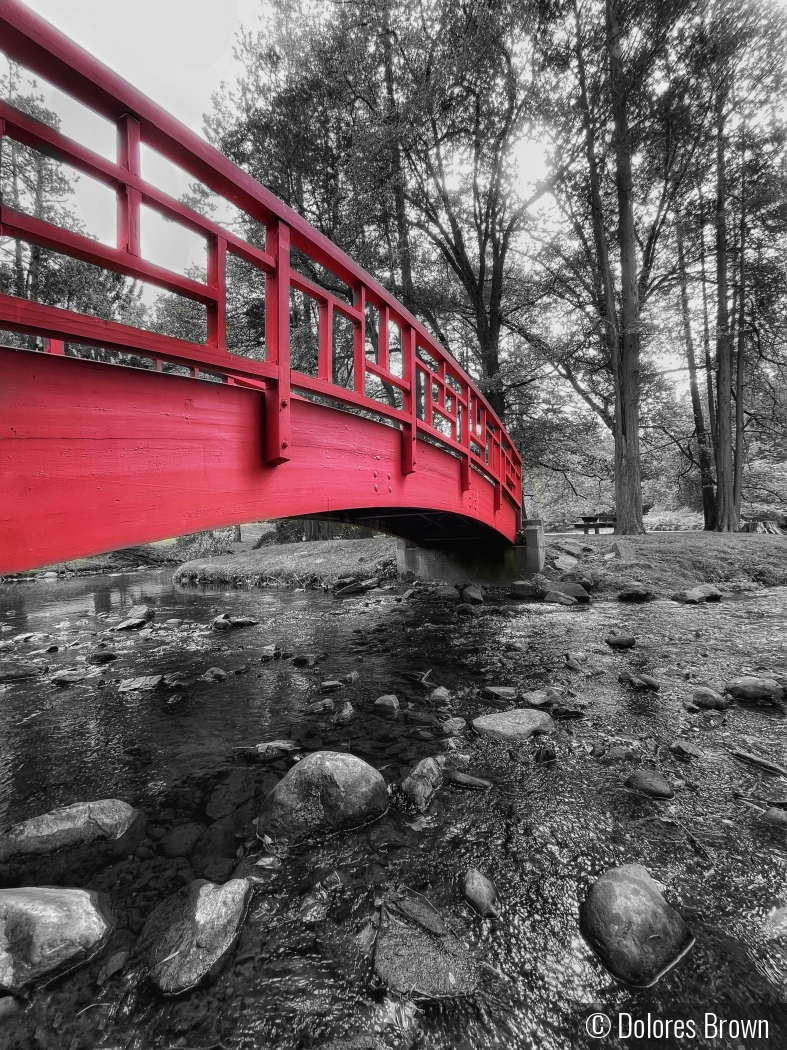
x=177, y=52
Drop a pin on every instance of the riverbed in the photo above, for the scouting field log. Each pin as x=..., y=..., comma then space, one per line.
x=542, y=832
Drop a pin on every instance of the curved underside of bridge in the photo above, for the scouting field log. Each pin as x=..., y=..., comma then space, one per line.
x=159, y=436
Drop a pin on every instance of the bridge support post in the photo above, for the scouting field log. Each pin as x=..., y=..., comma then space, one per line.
x=469, y=562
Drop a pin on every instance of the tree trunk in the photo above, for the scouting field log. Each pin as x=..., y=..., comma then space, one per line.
x=628, y=486
x=236, y=536
x=706, y=338
x=739, y=448
x=727, y=521
x=709, y=508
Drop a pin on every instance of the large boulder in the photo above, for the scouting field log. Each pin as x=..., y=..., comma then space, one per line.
x=754, y=689
x=326, y=791
x=106, y=819
x=45, y=848
x=187, y=936
x=637, y=936
x=45, y=930
x=517, y=724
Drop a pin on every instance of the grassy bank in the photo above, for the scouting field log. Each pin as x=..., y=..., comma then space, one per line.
x=295, y=564
x=671, y=561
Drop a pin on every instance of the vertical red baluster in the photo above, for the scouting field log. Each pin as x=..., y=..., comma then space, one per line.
x=463, y=437
x=217, y=279
x=359, y=341
x=277, y=341
x=325, y=365
x=54, y=346
x=129, y=200
x=410, y=428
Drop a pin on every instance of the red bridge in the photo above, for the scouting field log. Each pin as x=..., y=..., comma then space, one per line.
x=95, y=456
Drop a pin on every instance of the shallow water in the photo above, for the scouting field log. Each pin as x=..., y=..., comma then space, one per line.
x=542, y=833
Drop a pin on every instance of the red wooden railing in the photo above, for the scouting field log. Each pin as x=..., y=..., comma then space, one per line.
x=439, y=401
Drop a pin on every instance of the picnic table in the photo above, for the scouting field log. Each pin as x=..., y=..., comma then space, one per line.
x=597, y=522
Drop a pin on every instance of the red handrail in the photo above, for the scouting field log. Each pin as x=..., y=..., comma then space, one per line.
x=440, y=401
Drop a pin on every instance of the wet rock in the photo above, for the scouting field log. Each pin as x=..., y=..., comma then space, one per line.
x=143, y=684
x=181, y=840
x=651, y=783
x=352, y=677
x=270, y=750
x=229, y=796
x=473, y=595
x=480, y=893
x=544, y=755
x=453, y=726
x=140, y=612
x=526, y=589
x=17, y=671
x=554, y=597
x=357, y=588
x=69, y=676
x=705, y=697
x=326, y=791
x=268, y=653
x=132, y=624
x=106, y=820
x=705, y=592
x=187, y=936
x=620, y=753
x=319, y=707
x=685, y=750
x=412, y=960
x=570, y=588
x=775, y=816
x=447, y=593
x=635, y=592
x=8, y=1007
x=225, y=622
x=101, y=656
x=639, y=682
x=331, y=685
x=752, y=688
x=465, y=609
x=465, y=780
x=215, y=674
x=423, y=781
x=503, y=694
x=620, y=641
x=440, y=695
x=637, y=936
x=347, y=714
x=388, y=702
x=217, y=869
x=306, y=659
x=540, y=697
x=46, y=930
x=517, y=724
x=565, y=563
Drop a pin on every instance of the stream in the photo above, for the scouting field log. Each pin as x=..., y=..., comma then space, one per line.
x=543, y=832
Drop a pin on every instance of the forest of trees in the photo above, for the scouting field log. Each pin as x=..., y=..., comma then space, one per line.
x=586, y=203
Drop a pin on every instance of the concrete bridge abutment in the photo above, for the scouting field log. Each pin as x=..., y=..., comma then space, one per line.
x=474, y=562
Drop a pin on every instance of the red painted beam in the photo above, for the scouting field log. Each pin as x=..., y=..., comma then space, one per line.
x=94, y=457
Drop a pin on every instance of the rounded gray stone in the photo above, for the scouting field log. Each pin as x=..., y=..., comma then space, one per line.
x=634, y=932
x=518, y=724
x=326, y=791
